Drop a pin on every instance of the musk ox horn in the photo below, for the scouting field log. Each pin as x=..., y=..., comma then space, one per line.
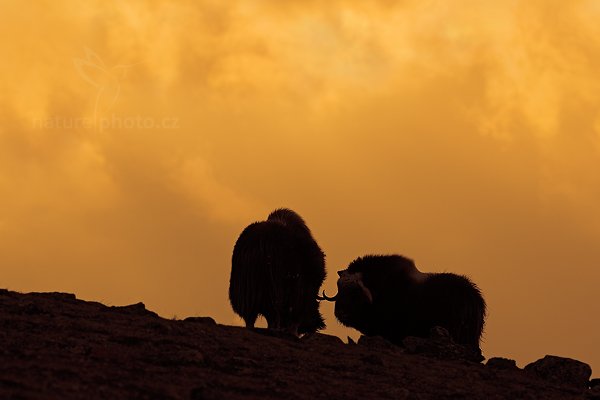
x=327, y=298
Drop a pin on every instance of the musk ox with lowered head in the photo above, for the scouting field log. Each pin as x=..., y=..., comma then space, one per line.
x=387, y=295
x=277, y=269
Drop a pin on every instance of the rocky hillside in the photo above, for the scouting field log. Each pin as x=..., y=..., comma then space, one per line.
x=53, y=346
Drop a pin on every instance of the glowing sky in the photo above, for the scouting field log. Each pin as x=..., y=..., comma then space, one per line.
x=137, y=140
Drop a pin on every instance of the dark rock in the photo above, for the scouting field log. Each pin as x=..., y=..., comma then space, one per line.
x=57, y=295
x=177, y=358
x=31, y=309
x=137, y=309
x=204, y=392
x=282, y=334
x=502, y=363
x=201, y=320
x=440, y=334
x=65, y=296
x=594, y=393
x=83, y=350
x=376, y=342
x=399, y=393
x=561, y=371
x=127, y=340
x=415, y=345
x=243, y=362
x=320, y=338
x=197, y=393
x=159, y=327
x=372, y=359
x=440, y=346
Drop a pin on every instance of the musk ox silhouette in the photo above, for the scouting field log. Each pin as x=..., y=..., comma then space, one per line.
x=277, y=269
x=388, y=296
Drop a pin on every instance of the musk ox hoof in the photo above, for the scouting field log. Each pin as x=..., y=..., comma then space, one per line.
x=563, y=371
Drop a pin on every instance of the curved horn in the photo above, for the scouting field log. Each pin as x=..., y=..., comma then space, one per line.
x=327, y=298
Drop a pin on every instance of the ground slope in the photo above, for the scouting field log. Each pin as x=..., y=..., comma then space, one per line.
x=53, y=346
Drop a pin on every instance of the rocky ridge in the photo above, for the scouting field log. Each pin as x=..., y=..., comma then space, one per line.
x=53, y=345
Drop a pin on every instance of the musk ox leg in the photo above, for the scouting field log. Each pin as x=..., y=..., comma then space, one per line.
x=273, y=321
x=311, y=319
x=250, y=320
x=293, y=329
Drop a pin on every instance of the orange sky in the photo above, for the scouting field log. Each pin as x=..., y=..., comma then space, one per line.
x=137, y=140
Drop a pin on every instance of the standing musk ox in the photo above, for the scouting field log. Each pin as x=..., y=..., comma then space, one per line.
x=277, y=269
x=388, y=296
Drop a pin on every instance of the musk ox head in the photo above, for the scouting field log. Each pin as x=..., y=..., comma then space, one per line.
x=353, y=301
